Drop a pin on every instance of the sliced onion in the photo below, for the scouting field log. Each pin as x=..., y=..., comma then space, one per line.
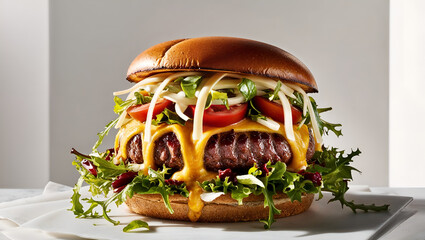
x=270, y=83
x=307, y=103
x=227, y=83
x=269, y=123
x=200, y=104
x=210, y=196
x=149, y=80
x=287, y=116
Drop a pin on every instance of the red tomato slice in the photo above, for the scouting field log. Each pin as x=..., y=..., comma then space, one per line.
x=219, y=116
x=140, y=112
x=275, y=110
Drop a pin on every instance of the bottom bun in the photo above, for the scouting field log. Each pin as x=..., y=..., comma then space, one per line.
x=222, y=209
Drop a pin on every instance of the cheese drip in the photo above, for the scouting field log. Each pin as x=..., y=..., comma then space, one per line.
x=193, y=152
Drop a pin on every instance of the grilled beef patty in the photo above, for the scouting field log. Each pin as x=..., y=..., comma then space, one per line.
x=238, y=151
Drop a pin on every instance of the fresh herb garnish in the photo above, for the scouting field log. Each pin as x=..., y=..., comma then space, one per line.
x=324, y=126
x=189, y=85
x=142, y=99
x=121, y=105
x=173, y=87
x=336, y=172
x=247, y=88
x=274, y=95
x=254, y=113
x=107, y=172
x=169, y=117
x=135, y=224
x=217, y=95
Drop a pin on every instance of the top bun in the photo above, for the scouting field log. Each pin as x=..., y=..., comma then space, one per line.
x=222, y=54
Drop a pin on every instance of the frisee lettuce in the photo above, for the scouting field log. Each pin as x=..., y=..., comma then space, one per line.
x=107, y=172
x=330, y=163
x=336, y=172
x=277, y=180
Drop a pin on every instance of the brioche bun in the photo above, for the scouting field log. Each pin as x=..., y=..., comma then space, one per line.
x=222, y=54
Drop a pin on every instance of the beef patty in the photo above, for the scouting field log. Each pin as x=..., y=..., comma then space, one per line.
x=238, y=151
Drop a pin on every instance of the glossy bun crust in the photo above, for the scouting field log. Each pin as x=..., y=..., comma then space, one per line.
x=222, y=209
x=222, y=54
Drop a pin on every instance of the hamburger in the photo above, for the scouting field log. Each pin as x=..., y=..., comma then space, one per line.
x=216, y=129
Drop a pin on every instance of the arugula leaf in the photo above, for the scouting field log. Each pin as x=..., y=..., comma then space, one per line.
x=217, y=95
x=324, y=126
x=247, y=88
x=268, y=202
x=274, y=95
x=107, y=169
x=189, y=85
x=121, y=105
x=77, y=207
x=103, y=133
x=174, y=88
x=254, y=113
x=135, y=224
x=141, y=99
x=169, y=117
x=104, y=204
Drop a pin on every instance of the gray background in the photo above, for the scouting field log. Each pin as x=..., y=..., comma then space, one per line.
x=344, y=43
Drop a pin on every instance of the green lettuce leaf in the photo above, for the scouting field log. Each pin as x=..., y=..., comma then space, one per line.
x=169, y=117
x=247, y=89
x=102, y=134
x=324, y=126
x=135, y=224
x=217, y=95
x=142, y=99
x=336, y=174
x=254, y=113
x=190, y=84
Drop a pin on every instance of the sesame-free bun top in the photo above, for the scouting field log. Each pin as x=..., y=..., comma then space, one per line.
x=222, y=54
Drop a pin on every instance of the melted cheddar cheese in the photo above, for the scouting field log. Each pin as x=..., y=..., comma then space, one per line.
x=193, y=152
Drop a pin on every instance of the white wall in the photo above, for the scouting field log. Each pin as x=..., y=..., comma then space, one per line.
x=24, y=78
x=407, y=83
x=344, y=43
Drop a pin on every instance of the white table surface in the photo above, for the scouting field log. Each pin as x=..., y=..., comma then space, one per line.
x=411, y=221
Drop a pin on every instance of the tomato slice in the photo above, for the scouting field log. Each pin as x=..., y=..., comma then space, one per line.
x=140, y=112
x=275, y=110
x=220, y=116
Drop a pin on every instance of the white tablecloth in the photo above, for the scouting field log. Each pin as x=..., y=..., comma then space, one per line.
x=45, y=217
